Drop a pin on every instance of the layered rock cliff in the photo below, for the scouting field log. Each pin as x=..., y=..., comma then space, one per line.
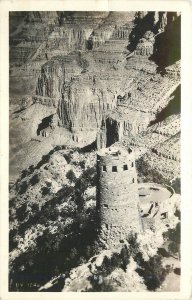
x=93, y=67
x=85, y=93
x=75, y=77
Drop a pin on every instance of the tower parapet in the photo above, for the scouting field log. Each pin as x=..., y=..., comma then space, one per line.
x=117, y=194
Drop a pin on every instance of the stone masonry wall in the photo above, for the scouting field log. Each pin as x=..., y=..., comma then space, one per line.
x=117, y=195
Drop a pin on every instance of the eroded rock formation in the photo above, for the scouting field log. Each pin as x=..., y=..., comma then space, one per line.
x=85, y=96
x=80, y=77
x=98, y=71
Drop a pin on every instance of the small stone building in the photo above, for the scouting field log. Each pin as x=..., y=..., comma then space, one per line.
x=117, y=195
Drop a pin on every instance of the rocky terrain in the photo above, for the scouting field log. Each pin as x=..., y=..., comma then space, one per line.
x=80, y=81
x=52, y=231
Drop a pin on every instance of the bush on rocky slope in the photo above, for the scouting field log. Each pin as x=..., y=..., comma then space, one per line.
x=120, y=269
x=53, y=228
x=52, y=231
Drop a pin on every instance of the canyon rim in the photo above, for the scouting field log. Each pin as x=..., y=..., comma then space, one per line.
x=94, y=191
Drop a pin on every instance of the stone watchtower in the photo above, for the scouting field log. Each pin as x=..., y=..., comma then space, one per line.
x=117, y=194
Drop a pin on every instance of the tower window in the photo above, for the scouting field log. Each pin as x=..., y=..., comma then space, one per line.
x=114, y=168
x=125, y=167
x=105, y=205
x=133, y=180
x=104, y=169
x=132, y=164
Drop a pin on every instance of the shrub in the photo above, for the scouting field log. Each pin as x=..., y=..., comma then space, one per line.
x=64, y=192
x=68, y=157
x=12, y=241
x=178, y=214
x=71, y=176
x=82, y=164
x=174, y=236
x=21, y=212
x=35, y=208
x=48, y=184
x=45, y=190
x=149, y=174
x=176, y=185
x=23, y=187
x=44, y=160
x=24, y=173
x=59, y=147
x=153, y=272
x=35, y=179
x=31, y=169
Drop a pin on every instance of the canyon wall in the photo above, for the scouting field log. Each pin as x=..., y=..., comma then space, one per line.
x=90, y=64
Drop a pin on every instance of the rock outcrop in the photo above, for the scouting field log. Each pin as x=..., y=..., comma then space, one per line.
x=145, y=45
x=85, y=96
x=94, y=69
x=77, y=77
x=74, y=82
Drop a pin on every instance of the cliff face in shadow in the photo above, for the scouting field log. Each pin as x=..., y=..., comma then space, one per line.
x=167, y=48
x=173, y=107
x=84, y=79
x=166, y=26
x=143, y=23
x=51, y=65
x=85, y=93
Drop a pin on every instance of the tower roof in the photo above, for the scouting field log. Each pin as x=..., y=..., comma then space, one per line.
x=114, y=151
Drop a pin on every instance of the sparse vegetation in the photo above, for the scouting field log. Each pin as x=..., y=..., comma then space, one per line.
x=71, y=176
x=45, y=190
x=35, y=179
x=176, y=184
x=70, y=224
x=69, y=235
x=147, y=174
x=173, y=237
x=52, y=209
x=68, y=157
x=23, y=187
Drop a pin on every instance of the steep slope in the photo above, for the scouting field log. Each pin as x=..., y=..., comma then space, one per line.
x=53, y=232
x=84, y=87
x=75, y=76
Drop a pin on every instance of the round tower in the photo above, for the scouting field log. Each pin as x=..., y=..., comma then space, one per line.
x=117, y=194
